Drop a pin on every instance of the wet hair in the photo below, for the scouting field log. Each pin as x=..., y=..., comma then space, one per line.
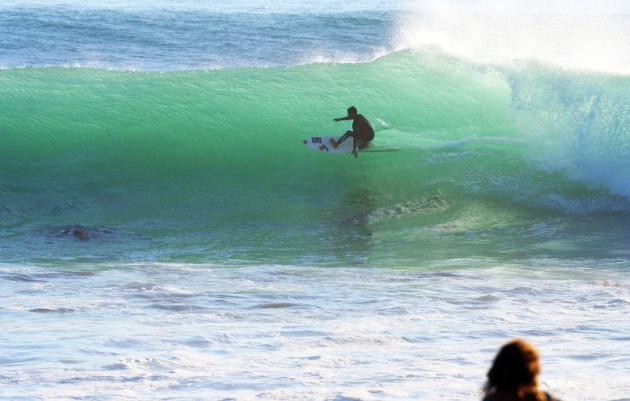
x=82, y=233
x=515, y=370
x=352, y=110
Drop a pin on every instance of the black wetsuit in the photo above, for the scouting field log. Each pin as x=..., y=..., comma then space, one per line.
x=362, y=128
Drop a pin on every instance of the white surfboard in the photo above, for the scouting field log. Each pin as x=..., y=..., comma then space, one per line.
x=323, y=144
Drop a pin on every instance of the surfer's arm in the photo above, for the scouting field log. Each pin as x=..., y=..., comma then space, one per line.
x=341, y=119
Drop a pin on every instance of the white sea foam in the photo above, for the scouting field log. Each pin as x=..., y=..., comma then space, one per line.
x=371, y=334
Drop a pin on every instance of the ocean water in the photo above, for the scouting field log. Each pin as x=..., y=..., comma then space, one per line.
x=229, y=262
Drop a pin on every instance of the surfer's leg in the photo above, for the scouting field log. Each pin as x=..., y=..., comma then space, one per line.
x=343, y=138
x=364, y=140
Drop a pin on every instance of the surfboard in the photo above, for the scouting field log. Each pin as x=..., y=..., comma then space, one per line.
x=322, y=144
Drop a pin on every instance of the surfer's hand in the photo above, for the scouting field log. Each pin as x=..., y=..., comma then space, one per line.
x=336, y=119
x=354, y=152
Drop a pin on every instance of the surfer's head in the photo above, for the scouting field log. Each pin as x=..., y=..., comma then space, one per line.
x=352, y=111
x=515, y=370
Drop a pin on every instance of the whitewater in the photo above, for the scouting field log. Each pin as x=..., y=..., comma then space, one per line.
x=228, y=261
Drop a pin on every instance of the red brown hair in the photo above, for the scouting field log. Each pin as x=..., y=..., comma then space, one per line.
x=515, y=370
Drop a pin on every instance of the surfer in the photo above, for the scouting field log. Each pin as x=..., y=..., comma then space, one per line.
x=362, y=131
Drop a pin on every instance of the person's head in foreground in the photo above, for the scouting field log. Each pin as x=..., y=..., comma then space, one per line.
x=513, y=375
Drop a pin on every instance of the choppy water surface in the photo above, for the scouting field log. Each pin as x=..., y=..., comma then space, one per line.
x=286, y=332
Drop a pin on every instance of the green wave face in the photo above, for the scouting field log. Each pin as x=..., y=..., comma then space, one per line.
x=215, y=158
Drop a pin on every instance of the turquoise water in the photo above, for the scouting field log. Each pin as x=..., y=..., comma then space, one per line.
x=229, y=261
x=214, y=159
